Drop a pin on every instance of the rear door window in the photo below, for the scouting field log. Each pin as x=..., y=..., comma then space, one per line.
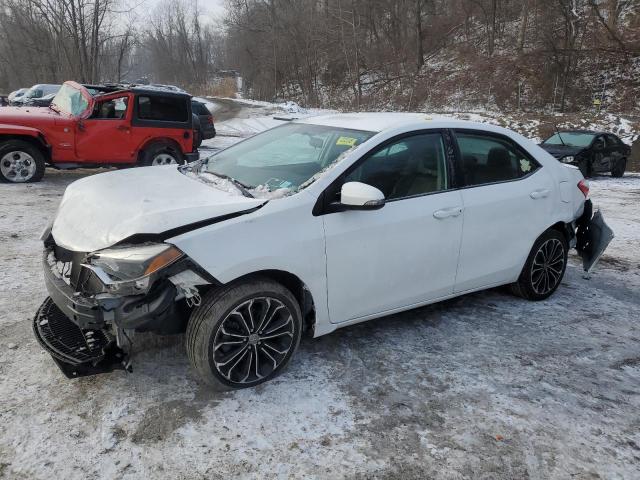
x=491, y=159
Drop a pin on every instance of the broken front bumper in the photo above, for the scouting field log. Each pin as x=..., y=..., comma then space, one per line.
x=81, y=331
x=78, y=352
x=593, y=236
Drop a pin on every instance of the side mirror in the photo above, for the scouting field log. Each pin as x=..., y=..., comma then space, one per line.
x=360, y=196
x=81, y=125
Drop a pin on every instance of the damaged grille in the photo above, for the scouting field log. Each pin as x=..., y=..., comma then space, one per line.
x=64, y=339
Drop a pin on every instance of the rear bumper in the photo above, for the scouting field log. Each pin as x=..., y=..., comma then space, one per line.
x=593, y=236
x=208, y=132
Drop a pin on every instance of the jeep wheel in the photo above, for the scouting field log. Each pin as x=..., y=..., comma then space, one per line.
x=244, y=334
x=161, y=153
x=618, y=169
x=20, y=162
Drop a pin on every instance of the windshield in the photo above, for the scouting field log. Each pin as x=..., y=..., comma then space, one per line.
x=286, y=157
x=570, y=139
x=70, y=100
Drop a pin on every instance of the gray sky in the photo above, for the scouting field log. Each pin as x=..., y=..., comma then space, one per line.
x=214, y=8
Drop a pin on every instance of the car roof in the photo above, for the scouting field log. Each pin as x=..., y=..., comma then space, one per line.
x=381, y=121
x=590, y=132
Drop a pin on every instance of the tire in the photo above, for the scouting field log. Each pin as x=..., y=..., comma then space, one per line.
x=225, y=315
x=618, y=169
x=20, y=162
x=160, y=153
x=585, y=167
x=539, y=277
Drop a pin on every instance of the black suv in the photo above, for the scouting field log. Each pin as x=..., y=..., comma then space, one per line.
x=593, y=152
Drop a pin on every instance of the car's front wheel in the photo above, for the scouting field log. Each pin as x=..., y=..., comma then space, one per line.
x=20, y=162
x=585, y=167
x=618, y=169
x=544, y=268
x=244, y=334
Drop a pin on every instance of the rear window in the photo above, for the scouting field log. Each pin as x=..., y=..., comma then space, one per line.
x=163, y=109
x=200, y=109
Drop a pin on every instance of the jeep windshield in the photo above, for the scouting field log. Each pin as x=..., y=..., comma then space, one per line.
x=570, y=139
x=70, y=100
x=286, y=158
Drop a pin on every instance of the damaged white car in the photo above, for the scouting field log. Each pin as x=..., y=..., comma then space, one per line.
x=311, y=226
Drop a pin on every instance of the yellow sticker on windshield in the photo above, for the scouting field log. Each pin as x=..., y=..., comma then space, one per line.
x=348, y=141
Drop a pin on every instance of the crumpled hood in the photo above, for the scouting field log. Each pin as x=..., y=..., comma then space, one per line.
x=99, y=211
x=560, y=151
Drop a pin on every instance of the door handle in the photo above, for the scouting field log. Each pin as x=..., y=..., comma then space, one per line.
x=124, y=128
x=536, y=194
x=447, y=212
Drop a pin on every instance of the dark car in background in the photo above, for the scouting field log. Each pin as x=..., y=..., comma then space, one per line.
x=592, y=152
x=204, y=127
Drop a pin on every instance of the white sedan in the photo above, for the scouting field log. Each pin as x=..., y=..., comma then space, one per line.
x=311, y=226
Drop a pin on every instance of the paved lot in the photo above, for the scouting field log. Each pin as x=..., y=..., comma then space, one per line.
x=483, y=386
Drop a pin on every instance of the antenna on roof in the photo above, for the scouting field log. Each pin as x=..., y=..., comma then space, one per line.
x=559, y=136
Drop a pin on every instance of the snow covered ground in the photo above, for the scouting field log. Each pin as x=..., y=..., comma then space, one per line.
x=486, y=386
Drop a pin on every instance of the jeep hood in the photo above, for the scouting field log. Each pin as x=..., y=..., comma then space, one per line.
x=27, y=116
x=101, y=210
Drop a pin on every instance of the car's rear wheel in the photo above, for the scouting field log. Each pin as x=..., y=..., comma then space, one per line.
x=20, y=162
x=244, y=334
x=619, y=168
x=544, y=268
x=161, y=153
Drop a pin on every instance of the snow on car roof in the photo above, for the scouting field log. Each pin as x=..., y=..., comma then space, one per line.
x=380, y=121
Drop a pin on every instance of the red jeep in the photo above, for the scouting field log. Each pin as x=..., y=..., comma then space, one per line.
x=96, y=126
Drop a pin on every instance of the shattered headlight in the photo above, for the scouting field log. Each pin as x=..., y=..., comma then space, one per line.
x=130, y=270
x=567, y=159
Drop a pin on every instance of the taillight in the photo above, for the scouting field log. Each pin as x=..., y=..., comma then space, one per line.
x=583, y=186
x=210, y=119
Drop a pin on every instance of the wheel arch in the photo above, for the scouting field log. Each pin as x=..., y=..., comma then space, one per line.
x=564, y=228
x=38, y=141
x=295, y=285
x=158, y=140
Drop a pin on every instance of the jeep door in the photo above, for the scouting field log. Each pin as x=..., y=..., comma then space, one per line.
x=508, y=199
x=406, y=252
x=105, y=136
